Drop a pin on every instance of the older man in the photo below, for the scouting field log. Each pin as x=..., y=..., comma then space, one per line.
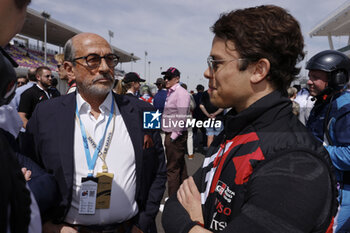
x=265, y=172
x=95, y=148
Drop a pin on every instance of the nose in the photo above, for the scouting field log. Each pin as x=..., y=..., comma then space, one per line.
x=207, y=74
x=309, y=82
x=103, y=68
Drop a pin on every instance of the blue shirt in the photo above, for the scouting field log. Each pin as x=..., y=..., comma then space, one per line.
x=159, y=100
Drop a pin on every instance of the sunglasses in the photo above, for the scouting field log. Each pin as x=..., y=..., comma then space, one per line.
x=49, y=76
x=94, y=60
x=168, y=78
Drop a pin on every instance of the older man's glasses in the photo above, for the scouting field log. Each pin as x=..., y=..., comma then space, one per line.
x=94, y=60
x=213, y=64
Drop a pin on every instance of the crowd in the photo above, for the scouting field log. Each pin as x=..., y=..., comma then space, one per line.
x=277, y=161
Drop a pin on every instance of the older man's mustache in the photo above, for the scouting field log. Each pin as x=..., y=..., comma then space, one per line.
x=104, y=76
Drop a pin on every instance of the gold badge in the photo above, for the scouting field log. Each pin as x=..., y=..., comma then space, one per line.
x=104, y=190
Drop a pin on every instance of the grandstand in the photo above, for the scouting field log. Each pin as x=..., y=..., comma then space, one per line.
x=28, y=55
x=27, y=58
x=335, y=24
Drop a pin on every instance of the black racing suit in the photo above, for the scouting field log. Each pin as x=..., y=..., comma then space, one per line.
x=264, y=173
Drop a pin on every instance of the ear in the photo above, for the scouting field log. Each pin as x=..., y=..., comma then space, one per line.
x=68, y=66
x=37, y=77
x=261, y=70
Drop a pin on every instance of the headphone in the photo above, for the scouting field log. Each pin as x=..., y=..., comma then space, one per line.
x=338, y=79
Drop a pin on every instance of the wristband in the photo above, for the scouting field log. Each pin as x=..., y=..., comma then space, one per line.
x=199, y=224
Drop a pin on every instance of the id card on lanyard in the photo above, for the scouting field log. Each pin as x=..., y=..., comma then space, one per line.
x=87, y=202
x=105, y=179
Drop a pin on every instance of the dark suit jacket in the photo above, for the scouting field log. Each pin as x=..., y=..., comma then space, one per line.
x=49, y=139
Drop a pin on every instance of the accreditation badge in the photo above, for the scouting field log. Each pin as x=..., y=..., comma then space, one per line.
x=104, y=190
x=87, y=198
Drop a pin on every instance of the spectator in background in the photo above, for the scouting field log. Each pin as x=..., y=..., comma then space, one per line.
x=32, y=81
x=160, y=96
x=190, y=151
x=131, y=83
x=292, y=94
x=53, y=92
x=22, y=81
x=297, y=86
x=176, y=108
x=199, y=115
x=37, y=93
x=62, y=73
x=146, y=94
x=159, y=101
x=306, y=103
x=213, y=113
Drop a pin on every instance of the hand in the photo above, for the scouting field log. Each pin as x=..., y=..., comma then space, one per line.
x=212, y=115
x=135, y=229
x=49, y=227
x=190, y=198
x=26, y=173
x=147, y=141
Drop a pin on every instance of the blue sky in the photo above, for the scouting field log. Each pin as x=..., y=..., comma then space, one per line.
x=175, y=32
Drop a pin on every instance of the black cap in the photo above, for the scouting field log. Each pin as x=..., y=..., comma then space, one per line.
x=132, y=77
x=171, y=72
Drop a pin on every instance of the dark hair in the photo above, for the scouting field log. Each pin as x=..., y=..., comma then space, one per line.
x=32, y=74
x=54, y=82
x=39, y=70
x=200, y=87
x=265, y=32
x=22, y=3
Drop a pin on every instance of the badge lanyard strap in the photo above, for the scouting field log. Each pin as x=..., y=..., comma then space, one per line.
x=92, y=161
x=103, y=154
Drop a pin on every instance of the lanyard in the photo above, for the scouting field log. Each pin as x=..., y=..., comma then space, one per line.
x=103, y=154
x=92, y=161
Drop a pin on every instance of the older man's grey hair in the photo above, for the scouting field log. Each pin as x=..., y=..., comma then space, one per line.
x=69, y=51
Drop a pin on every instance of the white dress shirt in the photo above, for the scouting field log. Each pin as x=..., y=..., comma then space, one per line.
x=120, y=161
